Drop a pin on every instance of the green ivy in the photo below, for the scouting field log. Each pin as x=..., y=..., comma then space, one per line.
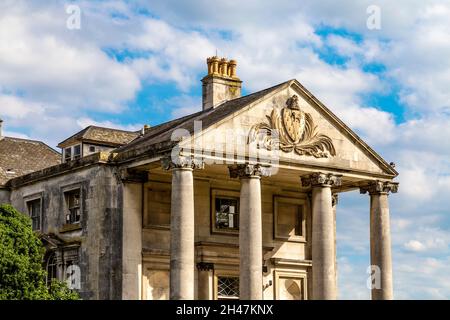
x=22, y=276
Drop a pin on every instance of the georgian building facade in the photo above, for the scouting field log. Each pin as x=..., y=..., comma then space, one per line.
x=238, y=200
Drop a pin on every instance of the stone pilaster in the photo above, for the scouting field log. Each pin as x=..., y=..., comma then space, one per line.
x=323, y=234
x=380, y=237
x=250, y=230
x=182, y=227
x=205, y=280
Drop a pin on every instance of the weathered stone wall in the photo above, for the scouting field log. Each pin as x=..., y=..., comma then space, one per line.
x=4, y=196
x=100, y=235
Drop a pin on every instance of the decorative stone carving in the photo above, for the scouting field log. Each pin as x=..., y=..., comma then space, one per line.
x=249, y=170
x=204, y=266
x=321, y=179
x=377, y=187
x=292, y=130
x=182, y=162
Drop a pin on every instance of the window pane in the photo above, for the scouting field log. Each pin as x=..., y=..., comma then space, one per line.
x=34, y=211
x=68, y=154
x=51, y=268
x=227, y=215
x=228, y=287
x=77, y=152
x=73, y=214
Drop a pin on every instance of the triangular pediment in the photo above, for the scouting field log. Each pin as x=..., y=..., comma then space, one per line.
x=307, y=133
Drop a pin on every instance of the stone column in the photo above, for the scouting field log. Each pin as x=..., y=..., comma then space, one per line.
x=204, y=289
x=323, y=236
x=380, y=238
x=335, y=201
x=182, y=272
x=250, y=230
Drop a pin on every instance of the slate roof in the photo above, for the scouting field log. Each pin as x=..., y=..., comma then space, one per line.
x=20, y=156
x=102, y=136
x=160, y=135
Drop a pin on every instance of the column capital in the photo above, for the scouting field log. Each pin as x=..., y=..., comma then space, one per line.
x=379, y=187
x=249, y=170
x=182, y=162
x=319, y=179
x=205, y=266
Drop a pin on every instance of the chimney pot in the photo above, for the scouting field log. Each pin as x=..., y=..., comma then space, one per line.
x=1, y=128
x=223, y=66
x=232, y=68
x=215, y=65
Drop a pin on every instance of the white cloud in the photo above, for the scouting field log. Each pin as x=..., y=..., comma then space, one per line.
x=184, y=105
x=85, y=122
x=40, y=61
x=176, y=55
x=14, y=107
x=415, y=245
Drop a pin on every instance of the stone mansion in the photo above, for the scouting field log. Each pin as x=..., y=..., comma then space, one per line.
x=236, y=201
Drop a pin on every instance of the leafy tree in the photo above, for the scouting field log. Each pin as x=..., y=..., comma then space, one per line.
x=21, y=254
x=59, y=291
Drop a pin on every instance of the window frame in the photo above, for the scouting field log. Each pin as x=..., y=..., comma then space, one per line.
x=79, y=155
x=223, y=273
x=72, y=153
x=226, y=194
x=304, y=223
x=67, y=158
x=51, y=257
x=65, y=193
x=30, y=199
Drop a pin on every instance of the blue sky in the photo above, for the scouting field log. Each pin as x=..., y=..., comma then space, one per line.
x=140, y=62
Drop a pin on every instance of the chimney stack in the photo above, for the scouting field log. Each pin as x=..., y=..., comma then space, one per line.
x=221, y=83
x=1, y=129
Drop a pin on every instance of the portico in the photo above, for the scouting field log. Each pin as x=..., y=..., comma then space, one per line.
x=321, y=188
x=222, y=223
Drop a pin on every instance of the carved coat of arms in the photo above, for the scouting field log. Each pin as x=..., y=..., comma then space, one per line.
x=291, y=129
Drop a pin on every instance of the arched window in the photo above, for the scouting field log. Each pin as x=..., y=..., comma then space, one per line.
x=51, y=268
